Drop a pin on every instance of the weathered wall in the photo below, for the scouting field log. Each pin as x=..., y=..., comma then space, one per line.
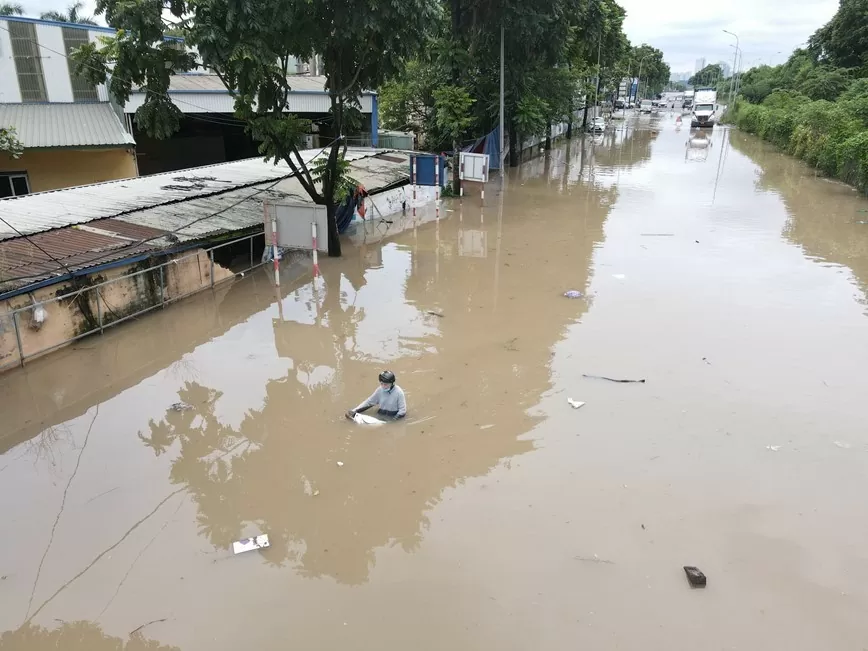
x=81, y=312
x=51, y=169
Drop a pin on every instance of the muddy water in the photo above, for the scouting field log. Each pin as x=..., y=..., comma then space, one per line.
x=495, y=516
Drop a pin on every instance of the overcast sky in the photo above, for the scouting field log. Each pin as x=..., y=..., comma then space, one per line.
x=684, y=30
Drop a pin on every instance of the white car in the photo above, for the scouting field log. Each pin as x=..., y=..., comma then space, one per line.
x=598, y=125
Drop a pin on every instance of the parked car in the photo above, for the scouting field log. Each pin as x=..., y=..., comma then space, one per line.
x=619, y=104
x=597, y=125
x=646, y=106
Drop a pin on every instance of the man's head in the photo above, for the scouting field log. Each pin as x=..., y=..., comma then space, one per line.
x=387, y=379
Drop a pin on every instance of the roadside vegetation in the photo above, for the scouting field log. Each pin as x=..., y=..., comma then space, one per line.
x=815, y=105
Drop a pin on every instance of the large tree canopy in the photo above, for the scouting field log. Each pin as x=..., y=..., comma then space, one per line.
x=843, y=41
x=250, y=44
x=708, y=76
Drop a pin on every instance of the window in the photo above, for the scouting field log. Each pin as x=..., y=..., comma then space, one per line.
x=13, y=184
x=82, y=91
x=28, y=63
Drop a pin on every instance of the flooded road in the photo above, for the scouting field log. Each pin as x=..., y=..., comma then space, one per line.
x=495, y=516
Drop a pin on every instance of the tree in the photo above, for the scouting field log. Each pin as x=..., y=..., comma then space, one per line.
x=9, y=143
x=250, y=47
x=824, y=82
x=654, y=71
x=11, y=9
x=453, y=104
x=843, y=41
x=72, y=15
x=708, y=76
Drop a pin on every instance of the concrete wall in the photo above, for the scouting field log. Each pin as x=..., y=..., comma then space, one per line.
x=74, y=315
x=51, y=169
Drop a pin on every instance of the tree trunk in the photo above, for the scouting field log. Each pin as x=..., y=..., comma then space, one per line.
x=329, y=179
x=570, y=122
x=585, y=116
x=456, y=172
x=548, y=144
x=513, y=145
x=334, y=239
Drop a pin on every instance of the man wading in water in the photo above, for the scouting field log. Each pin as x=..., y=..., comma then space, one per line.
x=388, y=398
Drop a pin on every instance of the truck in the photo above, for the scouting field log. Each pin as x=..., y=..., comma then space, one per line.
x=704, y=108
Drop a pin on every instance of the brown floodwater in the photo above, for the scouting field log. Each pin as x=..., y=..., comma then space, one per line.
x=496, y=516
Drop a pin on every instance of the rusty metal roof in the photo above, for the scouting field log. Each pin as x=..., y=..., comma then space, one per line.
x=26, y=261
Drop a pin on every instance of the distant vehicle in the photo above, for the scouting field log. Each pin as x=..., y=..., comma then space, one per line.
x=704, y=108
x=688, y=103
x=619, y=104
x=597, y=125
x=646, y=106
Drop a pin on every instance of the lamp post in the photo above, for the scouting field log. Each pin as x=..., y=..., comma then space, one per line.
x=734, y=65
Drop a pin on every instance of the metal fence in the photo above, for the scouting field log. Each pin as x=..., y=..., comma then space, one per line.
x=31, y=331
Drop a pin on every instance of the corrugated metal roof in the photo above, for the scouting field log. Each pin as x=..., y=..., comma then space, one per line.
x=22, y=261
x=65, y=125
x=206, y=82
x=196, y=196
x=43, y=211
x=169, y=201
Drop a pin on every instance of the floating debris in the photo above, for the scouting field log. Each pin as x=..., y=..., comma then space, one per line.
x=439, y=315
x=842, y=445
x=575, y=404
x=695, y=576
x=249, y=544
x=611, y=379
x=773, y=448
x=573, y=293
x=340, y=464
x=361, y=419
x=180, y=406
x=595, y=559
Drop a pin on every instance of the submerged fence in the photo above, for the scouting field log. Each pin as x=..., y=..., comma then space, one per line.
x=89, y=308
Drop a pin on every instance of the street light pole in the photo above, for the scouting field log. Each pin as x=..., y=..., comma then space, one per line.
x=734, y=64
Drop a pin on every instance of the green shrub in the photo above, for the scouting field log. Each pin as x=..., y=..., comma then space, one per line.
x=830, y=136
x=853, y=160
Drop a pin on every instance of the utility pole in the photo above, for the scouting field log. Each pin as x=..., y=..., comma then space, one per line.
x=502, y=155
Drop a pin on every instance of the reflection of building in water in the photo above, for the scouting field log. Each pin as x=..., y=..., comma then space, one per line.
x=824, y=216
x=471, y=377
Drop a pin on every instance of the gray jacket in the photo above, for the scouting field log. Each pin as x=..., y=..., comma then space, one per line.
x=389, y=401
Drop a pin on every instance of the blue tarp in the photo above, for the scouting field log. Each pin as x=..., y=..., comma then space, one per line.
x=490, y=145
x=425, y=169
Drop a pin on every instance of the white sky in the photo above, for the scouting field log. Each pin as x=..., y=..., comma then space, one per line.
x=684, y=30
